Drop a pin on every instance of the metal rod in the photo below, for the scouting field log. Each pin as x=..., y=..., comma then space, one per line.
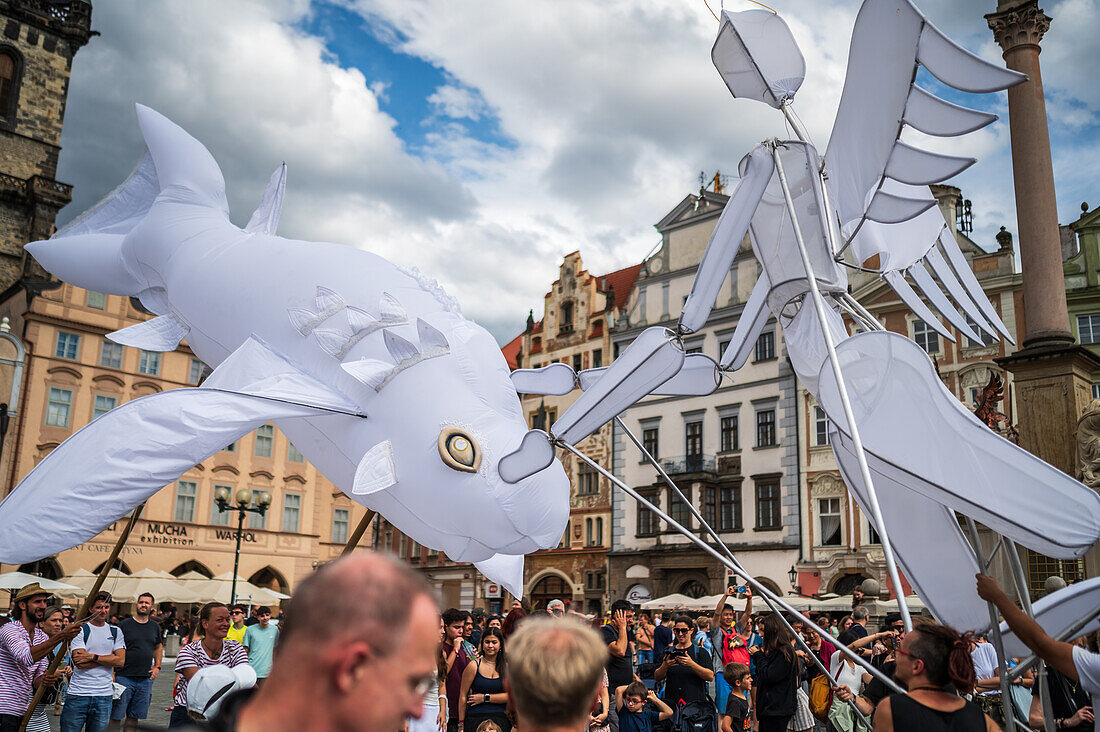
x=318, y=407
x=84, y=609
x=1020, y=580
x=799, y=130
x=842, y=389
x=353, y=540
x=995, y=631
x=729, y=553
x=853, y=303
x=993, y=554
x=749, y=579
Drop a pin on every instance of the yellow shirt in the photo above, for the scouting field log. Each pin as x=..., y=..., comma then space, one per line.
x=235, y=634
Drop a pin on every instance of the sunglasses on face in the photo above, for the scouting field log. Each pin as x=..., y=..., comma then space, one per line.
x=682, y=630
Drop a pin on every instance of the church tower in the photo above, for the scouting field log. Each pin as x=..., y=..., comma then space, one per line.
x=38, y=39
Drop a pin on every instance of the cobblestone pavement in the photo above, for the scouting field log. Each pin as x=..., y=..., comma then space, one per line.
x=162, y=697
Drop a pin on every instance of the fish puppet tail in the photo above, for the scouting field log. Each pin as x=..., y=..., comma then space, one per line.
x=90, y=250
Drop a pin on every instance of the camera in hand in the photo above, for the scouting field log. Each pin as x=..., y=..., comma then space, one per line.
x=673, y=653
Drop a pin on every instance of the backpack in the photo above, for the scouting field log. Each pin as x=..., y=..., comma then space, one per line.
x=697, y=716
x=87, y=629
x=821, y=695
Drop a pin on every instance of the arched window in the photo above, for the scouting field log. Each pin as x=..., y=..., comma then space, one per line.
x=192, y=566
x=120, y=565
x=11, y=73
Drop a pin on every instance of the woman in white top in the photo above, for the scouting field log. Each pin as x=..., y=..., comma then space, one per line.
x=434, y=716
x=846, y=671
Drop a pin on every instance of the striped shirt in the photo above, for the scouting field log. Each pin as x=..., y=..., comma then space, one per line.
x=193, y=655
x=17, y=668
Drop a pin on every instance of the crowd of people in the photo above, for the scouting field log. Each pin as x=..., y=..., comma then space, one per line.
x=363, y=646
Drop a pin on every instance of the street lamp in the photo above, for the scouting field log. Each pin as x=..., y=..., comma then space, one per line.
x=792, y=575
x=243, y=506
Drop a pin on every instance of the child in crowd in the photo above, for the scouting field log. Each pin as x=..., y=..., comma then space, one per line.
x=737, y=717
x=633, y=715
x=488, y=726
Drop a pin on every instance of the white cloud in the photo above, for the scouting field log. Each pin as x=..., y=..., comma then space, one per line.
x=610, y=111
x=457, y=103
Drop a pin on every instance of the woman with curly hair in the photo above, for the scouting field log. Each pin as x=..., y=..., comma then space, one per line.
x=934, y=663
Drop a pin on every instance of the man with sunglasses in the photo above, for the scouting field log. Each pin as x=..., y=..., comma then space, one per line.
x=686, y=668
x=237, y=625
x=358, y=650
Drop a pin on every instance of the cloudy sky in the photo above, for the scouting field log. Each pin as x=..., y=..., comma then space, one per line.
x=483, y=139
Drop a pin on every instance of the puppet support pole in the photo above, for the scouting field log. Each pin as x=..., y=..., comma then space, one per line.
x=1020, y=580
x=84, y=610
x=749, y=579
x=998, y=642
x=726, y=550
x=353, y=540
x=842, y=389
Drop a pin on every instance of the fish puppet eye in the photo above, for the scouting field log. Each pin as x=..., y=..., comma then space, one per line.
x=458, y=450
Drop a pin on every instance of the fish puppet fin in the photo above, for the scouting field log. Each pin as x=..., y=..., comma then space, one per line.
x=87, y=252
x=506, y=570
x=163, y=333
x=265, y=219
x=377, y=470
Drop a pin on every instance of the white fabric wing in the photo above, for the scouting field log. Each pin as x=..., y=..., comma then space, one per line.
x=1057, y=612
x=265, y=219
x=909, y=419
x=119, y=460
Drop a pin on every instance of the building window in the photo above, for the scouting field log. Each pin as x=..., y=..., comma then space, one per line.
x=11, y=68
x=722, y=346
x=647, y=520
x=256, y=520
x=767, y=505
x=728, y=430
x=693, y=349
x=103, y=404
x=765, y=428
x=925, y=337
x=219, y=517
x=1088, y=328
x=588, y=481
x=872, y=533
x=710, y=506
x=987, y=339
x=149, y=363
x=1096, y=390
x=729, y=508
x=292, y=454
x=58, y=407
x=589, y=537
x=821, y=427
x=231, y=447
x=194, y=376
x=565, y=325
x=68, y=344
x=265, y=439
x=765, y=347
x=649, y=441
x=186, y=491
x=340, y=526
x=693, y=445
x=577, y=363
x=828, y=516
x=599, y=531
x=110, y=355
x=1039, y=567
x=292, y=510
x=678, y=509
x=597, y=358
x=96, y=300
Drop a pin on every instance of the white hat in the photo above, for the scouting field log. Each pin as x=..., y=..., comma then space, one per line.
x=209, y=686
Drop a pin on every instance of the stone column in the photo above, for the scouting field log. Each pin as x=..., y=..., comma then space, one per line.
x=1052, y=374
x=1018, y=26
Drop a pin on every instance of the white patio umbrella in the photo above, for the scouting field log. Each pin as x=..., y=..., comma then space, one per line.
x=675, y=601
x=19, y=580
x=219, y=589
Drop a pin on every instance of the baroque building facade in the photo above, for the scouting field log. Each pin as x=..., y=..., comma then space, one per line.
x=733, y=453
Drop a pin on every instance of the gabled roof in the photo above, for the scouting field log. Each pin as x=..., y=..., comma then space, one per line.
x=511, y=351
x=621, y=281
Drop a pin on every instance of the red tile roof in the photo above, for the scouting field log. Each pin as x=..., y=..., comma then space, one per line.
x=511, y=351
x=622, y=281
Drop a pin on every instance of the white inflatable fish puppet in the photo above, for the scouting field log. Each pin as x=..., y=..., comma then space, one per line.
x=369, y=368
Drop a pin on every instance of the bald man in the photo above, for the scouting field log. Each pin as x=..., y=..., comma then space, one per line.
x=357, y=651
x=555, y=671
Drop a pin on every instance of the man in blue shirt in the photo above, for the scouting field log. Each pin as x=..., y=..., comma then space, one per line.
x=260, y=640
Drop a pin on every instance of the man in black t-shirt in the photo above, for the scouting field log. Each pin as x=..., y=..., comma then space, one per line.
x=685, y=669
x=620, y=666
x=144, y=647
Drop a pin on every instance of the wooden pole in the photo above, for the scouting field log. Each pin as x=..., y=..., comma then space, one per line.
x=84, y=609
x=353, y=540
